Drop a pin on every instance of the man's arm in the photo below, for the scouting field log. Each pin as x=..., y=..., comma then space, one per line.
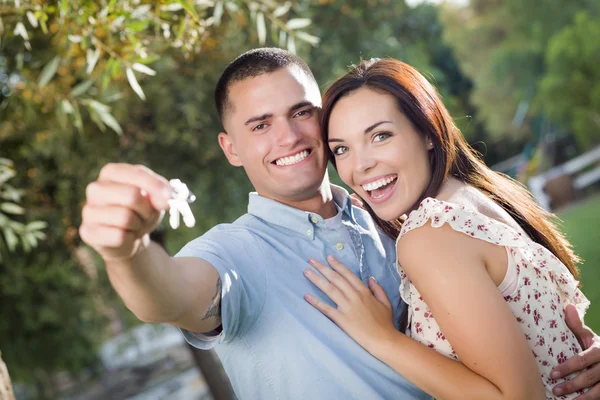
x=586, y=363
x=123, y=206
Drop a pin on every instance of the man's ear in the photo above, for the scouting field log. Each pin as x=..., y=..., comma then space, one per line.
x=229, y=149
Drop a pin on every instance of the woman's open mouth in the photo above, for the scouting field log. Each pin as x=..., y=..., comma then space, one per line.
x=378, y=191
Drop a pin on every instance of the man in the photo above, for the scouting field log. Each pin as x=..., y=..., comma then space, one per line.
x=240, y=287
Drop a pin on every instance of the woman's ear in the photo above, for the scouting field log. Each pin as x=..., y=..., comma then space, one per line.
x=428, y=143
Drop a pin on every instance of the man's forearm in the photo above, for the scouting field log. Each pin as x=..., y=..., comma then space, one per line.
x=147, y=283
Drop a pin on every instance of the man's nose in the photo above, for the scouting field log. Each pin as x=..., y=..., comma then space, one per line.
x=287, y=133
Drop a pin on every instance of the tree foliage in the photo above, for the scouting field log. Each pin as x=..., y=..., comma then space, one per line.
x=502, y=46
x=85, y=83
x=570, y=89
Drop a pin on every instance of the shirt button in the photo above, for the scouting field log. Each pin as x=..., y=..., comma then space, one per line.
x=339, y=246
x=309, y=232
x=314, y=219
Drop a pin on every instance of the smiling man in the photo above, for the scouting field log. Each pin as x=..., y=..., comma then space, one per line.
x=240, y=287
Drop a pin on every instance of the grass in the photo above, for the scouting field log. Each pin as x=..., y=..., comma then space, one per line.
x=581, y=224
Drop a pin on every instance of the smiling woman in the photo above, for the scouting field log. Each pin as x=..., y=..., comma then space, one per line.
x=475, y=250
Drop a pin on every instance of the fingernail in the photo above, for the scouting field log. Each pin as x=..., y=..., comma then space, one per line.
x=307, y=272
x=330, y=258
x=312, y=261
x=557, y=391
x=373, y=279
x=308, y=297
x=554, y=374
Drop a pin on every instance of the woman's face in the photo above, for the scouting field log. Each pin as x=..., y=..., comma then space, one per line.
x=378, y=152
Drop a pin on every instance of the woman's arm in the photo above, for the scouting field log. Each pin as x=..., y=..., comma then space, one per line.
x=449, y=271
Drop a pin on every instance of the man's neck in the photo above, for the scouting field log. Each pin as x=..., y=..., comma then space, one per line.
x=321, y=203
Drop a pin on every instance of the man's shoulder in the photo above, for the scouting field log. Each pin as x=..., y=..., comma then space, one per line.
x=244, y=228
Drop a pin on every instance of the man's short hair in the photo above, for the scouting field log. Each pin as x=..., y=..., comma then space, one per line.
x=252, y=64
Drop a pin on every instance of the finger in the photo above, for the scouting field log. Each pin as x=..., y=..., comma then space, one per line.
x=346, y=274
x=330, y=312
x=356, y=200
x=334, y=278
x=326, y=287
x=584, y=380
x=158, y=188
x=116, y=217
x=575, y=324
x=576, y=363
x=118, y=194
x=379, y=293
x=105, y=237
x=592, y=394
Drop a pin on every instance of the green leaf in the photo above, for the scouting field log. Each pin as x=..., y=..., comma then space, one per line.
x=282, y=38
x=282, y=10
x=78, y=121
x=143, y=69
x=291, y=45
x=134, y=84
x=298, y=23
x=189, y=7
x=6, y=174
x=48, y=72
x=307, y=38
x=36, y=225
x=218, y=13
x=92, y=57
x=32, y=19
x=39, y=234
x=82, y=88
x=109, y=120
x=11, y=239
x=64, y=7
x=67, y=107
x=21, y=31
x=261, y=28
x=12, y=208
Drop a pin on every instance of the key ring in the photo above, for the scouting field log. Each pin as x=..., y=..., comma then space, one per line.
x=180, y=205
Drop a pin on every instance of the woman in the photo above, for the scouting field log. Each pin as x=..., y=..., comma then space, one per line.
x=485, y=273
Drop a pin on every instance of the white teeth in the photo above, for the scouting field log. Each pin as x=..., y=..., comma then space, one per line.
x=292, y=159
x=377, y=184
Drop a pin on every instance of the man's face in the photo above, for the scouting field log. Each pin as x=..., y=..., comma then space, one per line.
x=273, y=132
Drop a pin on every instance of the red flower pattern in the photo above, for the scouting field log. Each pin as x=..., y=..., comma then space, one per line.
x=542, y=281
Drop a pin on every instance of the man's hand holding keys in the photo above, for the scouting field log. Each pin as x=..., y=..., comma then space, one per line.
x=122, y=207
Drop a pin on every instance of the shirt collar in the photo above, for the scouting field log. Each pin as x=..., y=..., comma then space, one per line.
x=302, y=222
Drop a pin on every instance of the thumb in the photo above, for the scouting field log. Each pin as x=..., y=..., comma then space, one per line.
x=575, y=324
x=379, y=293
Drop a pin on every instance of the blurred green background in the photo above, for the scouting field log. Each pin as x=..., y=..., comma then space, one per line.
x=84, y=83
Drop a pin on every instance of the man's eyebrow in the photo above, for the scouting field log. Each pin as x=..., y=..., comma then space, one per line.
x=369, y=129
x=258, y=118
x=301, y=105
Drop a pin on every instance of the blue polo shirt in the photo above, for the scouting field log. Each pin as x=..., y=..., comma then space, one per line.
x=273, y=344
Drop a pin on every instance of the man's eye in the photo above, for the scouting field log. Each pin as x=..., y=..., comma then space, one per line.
x=259, y=127
x=304, y=112
x=339, y=150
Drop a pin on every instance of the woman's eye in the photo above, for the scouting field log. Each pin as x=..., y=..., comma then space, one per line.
x=378, y=137
x=339, y=150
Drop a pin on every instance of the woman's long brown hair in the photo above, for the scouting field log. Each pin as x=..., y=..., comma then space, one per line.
x=451, y=156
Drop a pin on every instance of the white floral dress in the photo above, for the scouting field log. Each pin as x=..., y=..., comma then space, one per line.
x=544, y=287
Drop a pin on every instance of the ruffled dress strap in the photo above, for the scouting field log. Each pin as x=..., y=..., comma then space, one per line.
x=480, y=226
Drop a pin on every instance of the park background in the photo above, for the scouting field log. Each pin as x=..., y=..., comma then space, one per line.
x=83, y=83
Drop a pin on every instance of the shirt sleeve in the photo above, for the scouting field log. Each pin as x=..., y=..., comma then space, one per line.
x=235, y=254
